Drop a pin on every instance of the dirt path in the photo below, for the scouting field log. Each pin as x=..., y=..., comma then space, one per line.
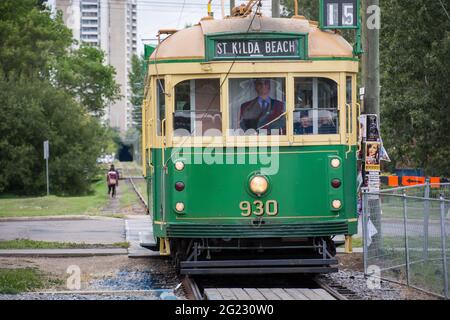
x=126, y=201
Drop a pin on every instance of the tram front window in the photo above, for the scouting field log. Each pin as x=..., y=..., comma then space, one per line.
x=257, y=106
x=197, y=108
x=315, y=106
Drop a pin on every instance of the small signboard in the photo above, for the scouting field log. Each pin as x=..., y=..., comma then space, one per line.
x=339, y=14
x=46, y=149
x=256, y=46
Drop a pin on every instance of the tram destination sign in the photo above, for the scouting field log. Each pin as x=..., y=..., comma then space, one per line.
x=280, y=47
x=256, y=48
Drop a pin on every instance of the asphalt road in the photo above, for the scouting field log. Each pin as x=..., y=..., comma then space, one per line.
x=91, y=231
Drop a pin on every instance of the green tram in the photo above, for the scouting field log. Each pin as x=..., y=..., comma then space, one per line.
x=249, y=137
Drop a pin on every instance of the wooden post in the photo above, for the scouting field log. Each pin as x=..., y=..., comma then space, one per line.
x=348, y=244
x=371, y=62
x=275, y=8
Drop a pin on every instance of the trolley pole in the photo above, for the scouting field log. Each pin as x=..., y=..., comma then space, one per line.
x=276, y=8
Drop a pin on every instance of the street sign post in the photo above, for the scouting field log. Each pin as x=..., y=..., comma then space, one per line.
x=46, y=155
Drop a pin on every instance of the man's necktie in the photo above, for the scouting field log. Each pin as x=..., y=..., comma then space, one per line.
x=265, y=106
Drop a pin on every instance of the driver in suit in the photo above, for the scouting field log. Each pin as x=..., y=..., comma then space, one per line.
x=263, y=112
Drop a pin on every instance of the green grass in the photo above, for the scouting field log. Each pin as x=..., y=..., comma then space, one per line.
x=127, y=195
x=33, y=244
x=357, y=242
x=13, y=281
x=427, y=275
x=55, y=205
x=141, y=186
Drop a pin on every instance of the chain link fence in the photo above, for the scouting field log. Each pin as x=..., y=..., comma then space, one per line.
x=406, y=235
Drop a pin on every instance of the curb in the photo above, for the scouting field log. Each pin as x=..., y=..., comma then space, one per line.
x=355, y=250
x=62, y=252
x=55, y=218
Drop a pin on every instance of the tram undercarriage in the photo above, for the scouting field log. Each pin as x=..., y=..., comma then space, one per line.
x=254, y=256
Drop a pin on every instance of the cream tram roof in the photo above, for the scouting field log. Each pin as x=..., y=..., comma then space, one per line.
x=189, y=43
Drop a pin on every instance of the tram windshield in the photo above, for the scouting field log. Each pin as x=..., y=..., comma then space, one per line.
x=316, y=104
x=257, y=106
x=197, y=108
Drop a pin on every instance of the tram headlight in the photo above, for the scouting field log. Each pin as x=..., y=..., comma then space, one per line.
x=179, y=165
x=259, y=185
x=335, y=163
x=179, y=206
x=336, y=204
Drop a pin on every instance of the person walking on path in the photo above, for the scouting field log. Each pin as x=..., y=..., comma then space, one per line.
x=112, y=179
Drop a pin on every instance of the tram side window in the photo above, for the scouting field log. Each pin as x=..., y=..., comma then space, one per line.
x=257, y=106
x=197, y=108
x=316, y=104
x=160, y=105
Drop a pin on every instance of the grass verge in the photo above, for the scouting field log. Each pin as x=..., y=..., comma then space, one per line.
x=16, y=206
x=33, y=244
x=14, y=281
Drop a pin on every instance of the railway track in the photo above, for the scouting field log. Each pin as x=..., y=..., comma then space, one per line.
x=131, y=178
x=307, y=288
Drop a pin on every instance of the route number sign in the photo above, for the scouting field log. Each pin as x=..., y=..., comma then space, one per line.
x=339, y=14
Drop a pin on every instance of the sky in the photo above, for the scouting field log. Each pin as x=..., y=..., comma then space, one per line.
x=154, y=15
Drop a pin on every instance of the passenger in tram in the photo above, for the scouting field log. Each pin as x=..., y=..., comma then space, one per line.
x=305, y=125
x=263, y=112
x=326, y=123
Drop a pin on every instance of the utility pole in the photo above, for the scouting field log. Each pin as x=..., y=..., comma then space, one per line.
x=371, y=59
x=275, y=8
x=232, y=5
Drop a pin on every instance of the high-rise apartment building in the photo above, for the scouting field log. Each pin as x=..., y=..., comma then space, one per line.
x=112, y=26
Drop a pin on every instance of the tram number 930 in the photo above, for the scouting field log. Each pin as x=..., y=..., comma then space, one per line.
x=258, y=208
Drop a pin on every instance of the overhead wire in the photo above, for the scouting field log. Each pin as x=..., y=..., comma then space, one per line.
x=181, y=13
x=445, y=10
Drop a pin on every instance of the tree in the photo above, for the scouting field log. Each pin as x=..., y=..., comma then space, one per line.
x=137, y=80
x=46, y=89
x=82, y=72
x=30, y=39
x=415, y=100
x=307, y=8
x=34, y=111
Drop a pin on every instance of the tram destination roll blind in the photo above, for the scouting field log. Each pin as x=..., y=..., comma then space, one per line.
x=256, y=48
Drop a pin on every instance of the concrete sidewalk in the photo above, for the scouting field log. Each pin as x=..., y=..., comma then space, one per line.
x=62, y=252
x=89, y=231
x=139, y=229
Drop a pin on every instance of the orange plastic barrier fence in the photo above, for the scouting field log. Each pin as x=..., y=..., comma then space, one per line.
x=412, y=180
x=393, y=181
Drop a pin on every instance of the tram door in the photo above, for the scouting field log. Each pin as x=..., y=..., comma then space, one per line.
x=160, y=124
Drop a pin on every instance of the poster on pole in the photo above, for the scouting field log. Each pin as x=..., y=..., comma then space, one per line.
x=372, y=156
